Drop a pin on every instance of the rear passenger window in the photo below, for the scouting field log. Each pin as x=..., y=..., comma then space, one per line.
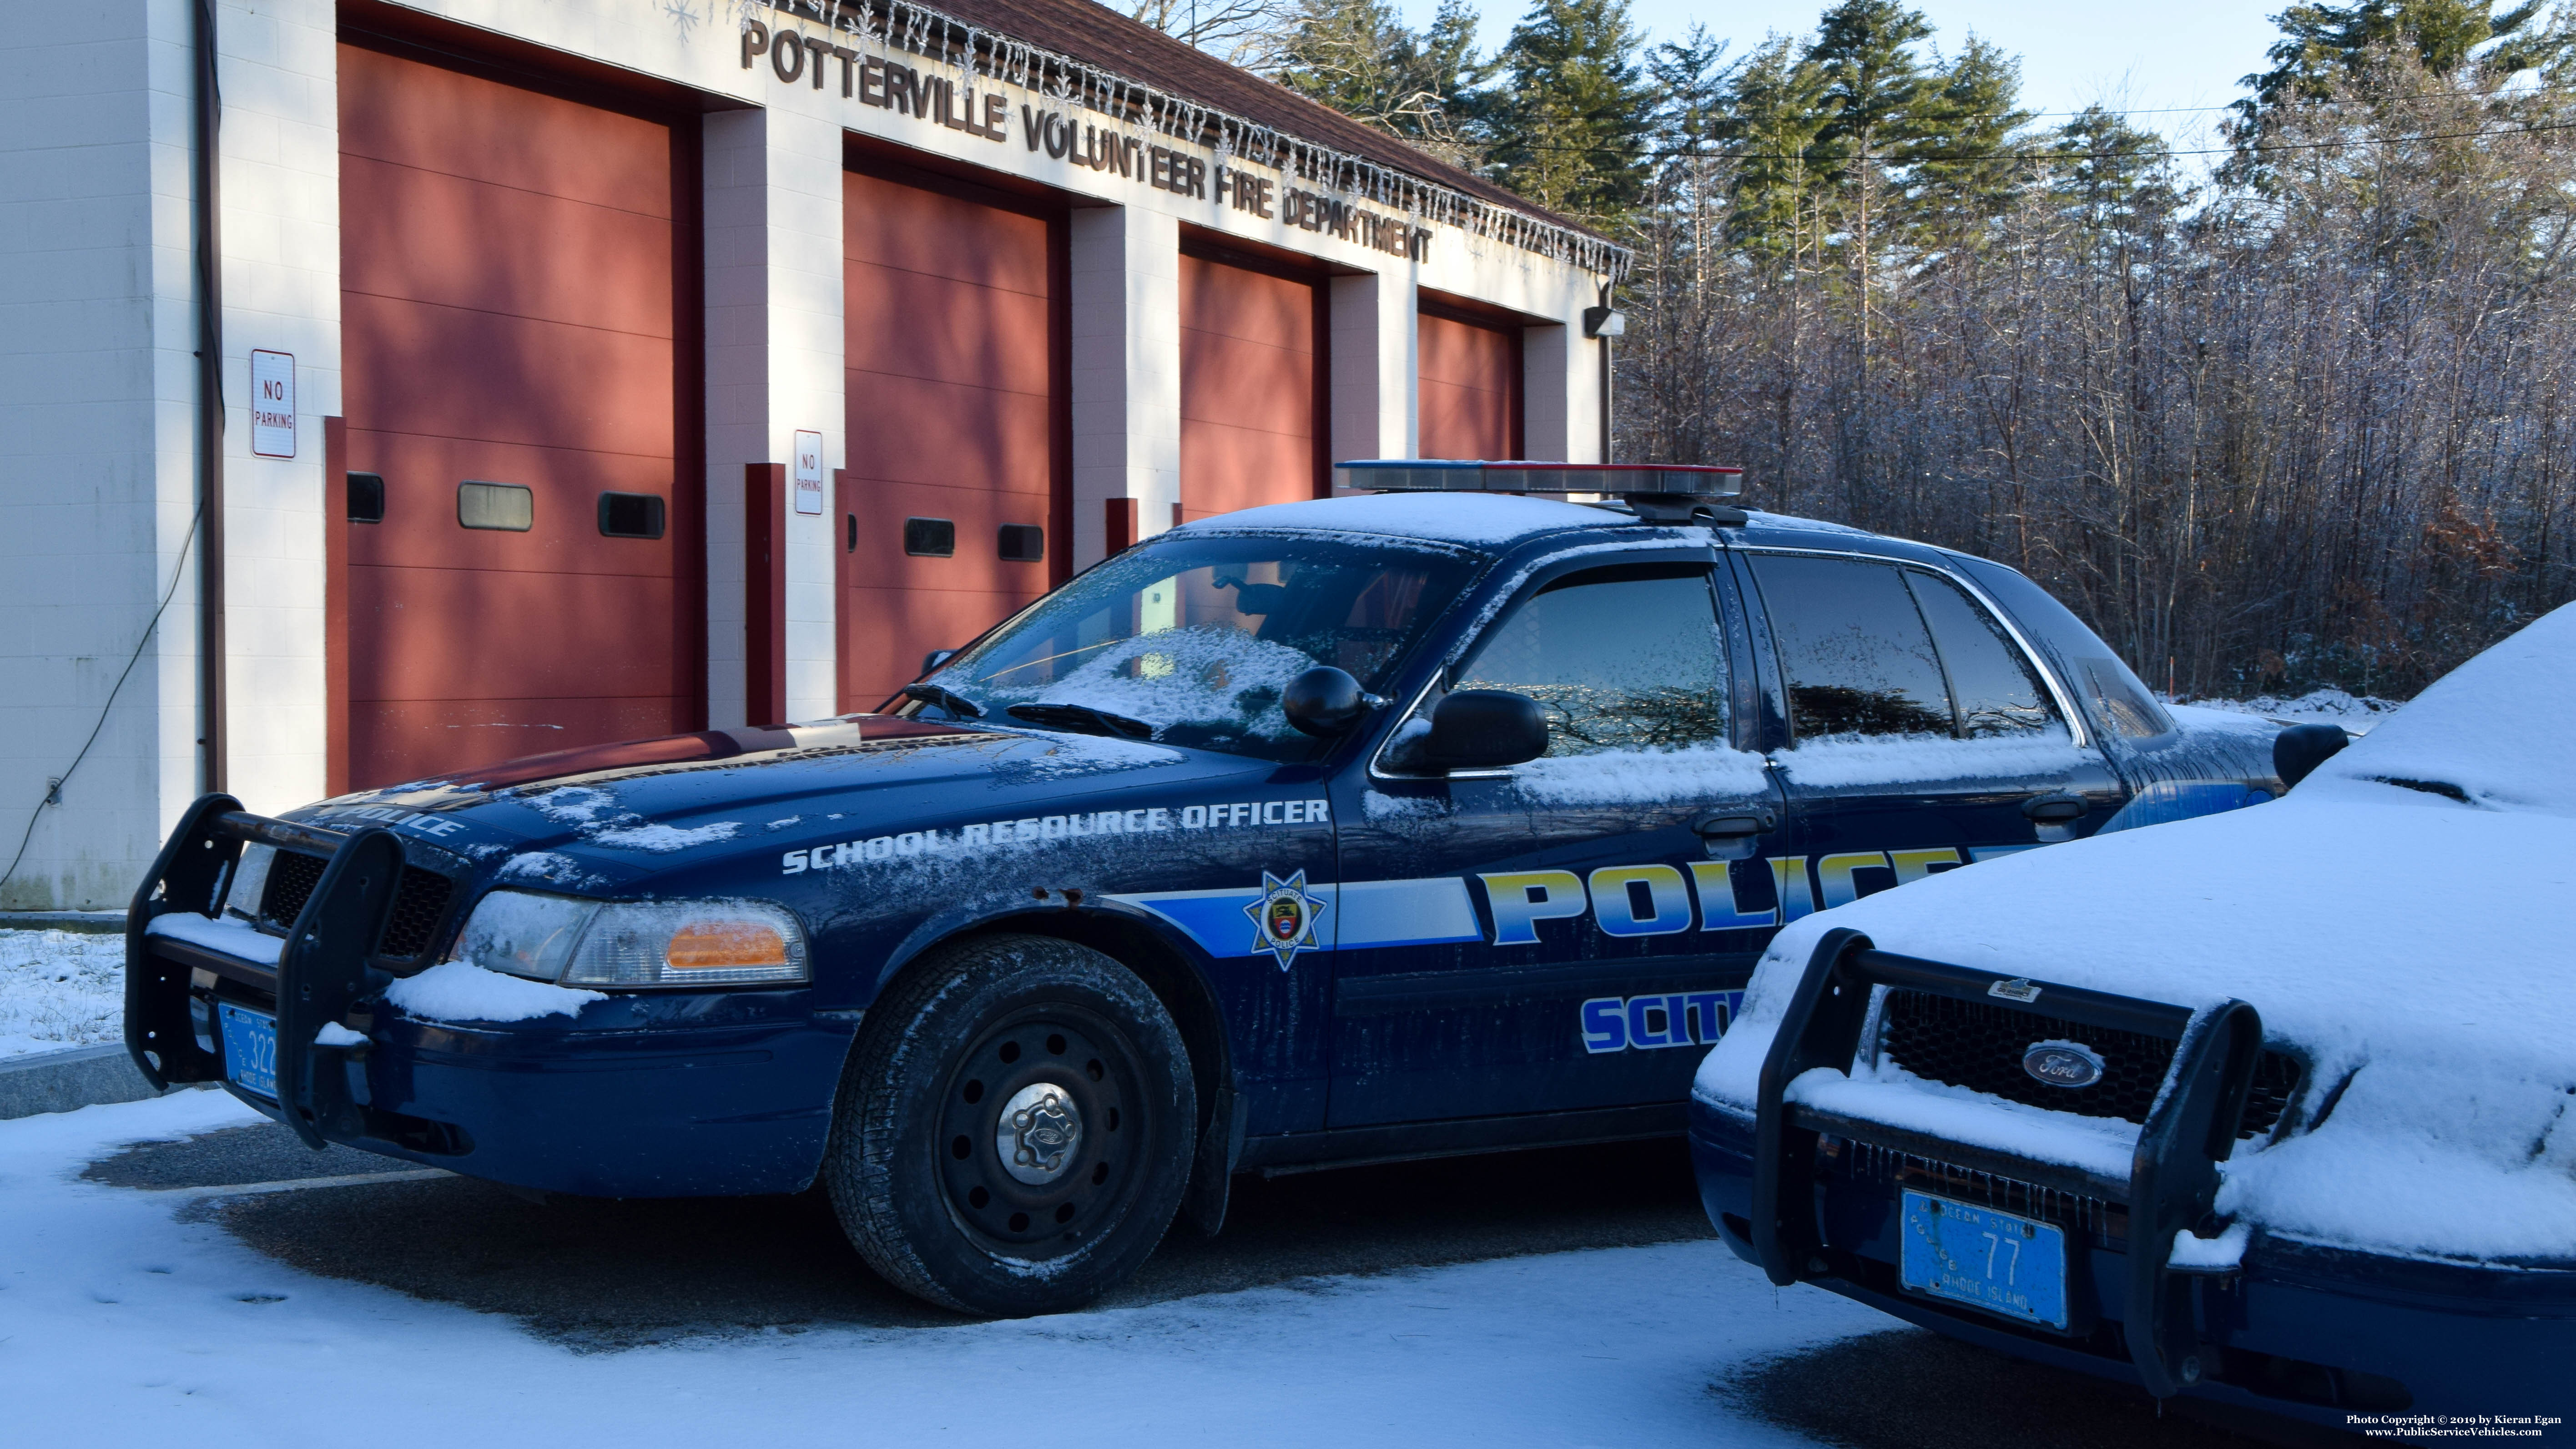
x=1854, y=648
x=1619, y=659
x=1990, y=680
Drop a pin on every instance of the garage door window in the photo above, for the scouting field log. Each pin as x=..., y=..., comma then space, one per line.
x=503, y=506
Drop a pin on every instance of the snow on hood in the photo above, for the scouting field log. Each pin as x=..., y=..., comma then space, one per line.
x=2413, y=949
x=2495, y=729
x=1477, y=520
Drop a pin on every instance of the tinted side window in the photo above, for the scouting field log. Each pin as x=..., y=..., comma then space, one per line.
x=1994, y=686
x=1857, y=656
x=1623, y=659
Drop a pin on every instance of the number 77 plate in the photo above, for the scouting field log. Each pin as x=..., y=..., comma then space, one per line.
x=2008, y=1266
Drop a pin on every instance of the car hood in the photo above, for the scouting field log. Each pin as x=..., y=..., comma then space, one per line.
x=2412, y=949
x=619, y=816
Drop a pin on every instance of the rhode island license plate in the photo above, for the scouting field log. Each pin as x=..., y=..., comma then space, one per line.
x=2003, y=1264
x=250, y=1049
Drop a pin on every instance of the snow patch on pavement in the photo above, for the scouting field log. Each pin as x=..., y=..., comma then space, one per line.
x=125, y=1321
x=60, y=989
x=2358, y=713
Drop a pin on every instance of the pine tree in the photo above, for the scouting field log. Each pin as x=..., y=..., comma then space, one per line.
x=1775, y=112
x=1966, y=131
x=1875, y=89
x=1571, y=124
x=2322, y=45
x=1357, y=57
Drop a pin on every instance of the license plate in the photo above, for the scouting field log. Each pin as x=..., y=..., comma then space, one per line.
x=2008, y=1266
x=250, y=1049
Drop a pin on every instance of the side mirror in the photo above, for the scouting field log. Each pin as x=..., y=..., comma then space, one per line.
x=1323, y=701
x=1485, y=729
x=2298, y=750
x=935, y=658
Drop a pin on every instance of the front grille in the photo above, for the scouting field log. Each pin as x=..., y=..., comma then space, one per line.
x=291, y=879
x=419, y=902
x=1980, y=1045
x=1869, y=1162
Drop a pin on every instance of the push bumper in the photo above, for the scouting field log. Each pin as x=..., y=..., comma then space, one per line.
x=649, y=1095
x=2329, y=1337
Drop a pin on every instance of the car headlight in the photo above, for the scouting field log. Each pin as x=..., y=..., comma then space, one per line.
x=635, y=943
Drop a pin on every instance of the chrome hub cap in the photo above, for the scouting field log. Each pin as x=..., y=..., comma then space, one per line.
x=1038, y=1133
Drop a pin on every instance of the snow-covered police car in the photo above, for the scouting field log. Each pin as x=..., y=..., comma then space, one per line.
x=1434, y=821
x=2272, y=1111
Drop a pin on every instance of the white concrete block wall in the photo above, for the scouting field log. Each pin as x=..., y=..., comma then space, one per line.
x=1126, y=366
x=281, y=233
x=774, y=367
x=1548, y=404
x=1376, y=404
x=96, y=476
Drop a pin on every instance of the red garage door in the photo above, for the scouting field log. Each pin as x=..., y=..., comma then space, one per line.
x=1248, y=389
x=1470, y=388
x=949, y=502
x=515, y=283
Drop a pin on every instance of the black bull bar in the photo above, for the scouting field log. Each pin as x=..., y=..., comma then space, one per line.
x=2173, y=1177
x=321, y=970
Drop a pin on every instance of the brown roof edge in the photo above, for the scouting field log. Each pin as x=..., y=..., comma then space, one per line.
x=1094, y=36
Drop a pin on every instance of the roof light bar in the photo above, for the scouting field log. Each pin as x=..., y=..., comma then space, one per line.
x=1431, y=475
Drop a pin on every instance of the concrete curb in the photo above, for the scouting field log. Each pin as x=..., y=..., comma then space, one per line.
x=90, y=923
x=65, y=1081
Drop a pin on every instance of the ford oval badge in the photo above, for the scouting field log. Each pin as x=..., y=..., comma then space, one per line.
x=2062, y=1063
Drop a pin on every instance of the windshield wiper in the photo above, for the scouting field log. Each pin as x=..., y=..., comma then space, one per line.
x=1081, y=717
x=946, y=698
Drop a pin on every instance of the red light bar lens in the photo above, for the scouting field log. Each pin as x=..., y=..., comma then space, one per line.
x=1426, y=475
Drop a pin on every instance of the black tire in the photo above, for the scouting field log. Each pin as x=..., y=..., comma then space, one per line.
x=917, y=1167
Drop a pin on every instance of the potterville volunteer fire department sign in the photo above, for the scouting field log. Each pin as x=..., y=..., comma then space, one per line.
x=796, y=58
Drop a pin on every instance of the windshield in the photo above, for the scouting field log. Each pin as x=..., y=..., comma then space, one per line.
x=1192, y=641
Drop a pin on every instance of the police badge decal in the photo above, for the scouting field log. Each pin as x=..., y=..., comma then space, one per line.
x=1283, y=918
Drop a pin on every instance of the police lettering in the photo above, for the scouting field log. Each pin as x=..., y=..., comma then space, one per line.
x=1053, y=829
x=1646, y=1023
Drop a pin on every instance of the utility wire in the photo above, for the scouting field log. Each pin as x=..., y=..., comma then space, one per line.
x=53, y=792
x=2074, y=154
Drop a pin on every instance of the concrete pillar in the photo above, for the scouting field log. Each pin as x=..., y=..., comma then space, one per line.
x=1126, y=304
x=1561, y=395
x=774, y=368
x=1376, y=404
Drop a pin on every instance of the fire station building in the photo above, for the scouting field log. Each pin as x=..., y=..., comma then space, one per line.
x=392, y=388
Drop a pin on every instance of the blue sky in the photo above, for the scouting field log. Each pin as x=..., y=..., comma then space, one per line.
x=2151, y=60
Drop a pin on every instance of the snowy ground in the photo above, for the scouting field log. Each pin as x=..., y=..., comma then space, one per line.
x=60, y=989
x=2356, y=713
x=124, y=1310
x=127, y=1311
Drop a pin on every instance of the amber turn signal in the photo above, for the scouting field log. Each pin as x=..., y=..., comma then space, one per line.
x=725, y=945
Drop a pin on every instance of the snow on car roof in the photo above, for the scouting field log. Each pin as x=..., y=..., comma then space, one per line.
x=2494, y=730
x=1477, y=520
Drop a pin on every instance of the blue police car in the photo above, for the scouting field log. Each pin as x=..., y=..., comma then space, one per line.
x=1435, y=821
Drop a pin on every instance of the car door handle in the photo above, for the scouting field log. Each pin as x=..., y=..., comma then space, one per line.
x=2055, y=808
x=1735, y=825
